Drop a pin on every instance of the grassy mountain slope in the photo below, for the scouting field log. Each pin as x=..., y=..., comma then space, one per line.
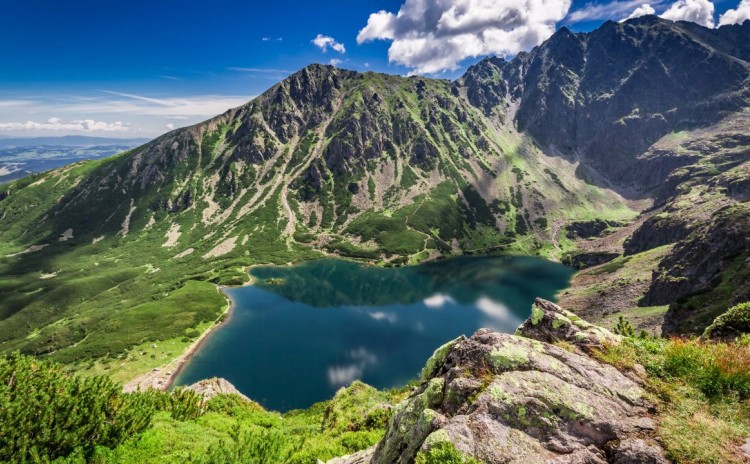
x=101, y=257
x=99, y=260
x=687, y=261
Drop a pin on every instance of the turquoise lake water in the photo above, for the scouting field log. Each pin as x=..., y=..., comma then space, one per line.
x=288, y=345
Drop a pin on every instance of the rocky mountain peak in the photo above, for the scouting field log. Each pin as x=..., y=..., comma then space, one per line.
x=607, y=95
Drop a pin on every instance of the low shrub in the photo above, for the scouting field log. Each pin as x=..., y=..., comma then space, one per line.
x=444, y=453
x=702, y=391
x=261, y=446
x=46, y=413
x=623, y=327
x=733, y=323
x=183, y=404
x=716, y=369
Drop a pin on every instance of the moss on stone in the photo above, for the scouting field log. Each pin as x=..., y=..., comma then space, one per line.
x=433, y=394
x=436, y=359
x=560, y=322
x=436, y=437
x=536, y=315
x=509, y=356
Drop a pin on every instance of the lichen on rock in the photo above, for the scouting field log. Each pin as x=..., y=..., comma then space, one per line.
x=501, y=398
x=550, y=323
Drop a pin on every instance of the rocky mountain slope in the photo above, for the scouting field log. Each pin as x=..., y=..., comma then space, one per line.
x=607, y=96
x=107, y=257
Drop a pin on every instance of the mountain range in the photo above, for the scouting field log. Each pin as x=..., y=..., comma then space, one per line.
x=628, y=145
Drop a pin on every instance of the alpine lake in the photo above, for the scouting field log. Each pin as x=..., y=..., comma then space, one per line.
x=299, y=333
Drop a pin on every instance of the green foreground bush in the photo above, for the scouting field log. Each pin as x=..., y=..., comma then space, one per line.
x=45, y=413
x=731, y=324
x=50, y=415
x=702, y=391
x=443, y=453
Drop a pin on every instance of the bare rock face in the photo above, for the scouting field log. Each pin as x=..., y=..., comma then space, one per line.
x=360, y=457
x=509, y=399
x=215, y=386
x=550, y=323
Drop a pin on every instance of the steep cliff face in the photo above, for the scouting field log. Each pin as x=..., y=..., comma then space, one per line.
x=608, y=95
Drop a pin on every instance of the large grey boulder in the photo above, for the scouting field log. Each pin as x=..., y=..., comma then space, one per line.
x=513, y=399
x=215, y=386
x=550, y=323
x=507, y=399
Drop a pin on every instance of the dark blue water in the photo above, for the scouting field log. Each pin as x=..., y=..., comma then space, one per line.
x=288, y=345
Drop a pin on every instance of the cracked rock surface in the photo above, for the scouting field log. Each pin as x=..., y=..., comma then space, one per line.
x=503, y=398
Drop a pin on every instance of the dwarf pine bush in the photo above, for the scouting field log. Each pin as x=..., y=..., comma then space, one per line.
x=46, y=413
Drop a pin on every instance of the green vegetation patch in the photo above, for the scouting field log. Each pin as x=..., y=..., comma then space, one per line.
x=733, y=323
x=702, y=390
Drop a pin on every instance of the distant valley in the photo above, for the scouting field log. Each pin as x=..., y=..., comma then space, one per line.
x=20, y=157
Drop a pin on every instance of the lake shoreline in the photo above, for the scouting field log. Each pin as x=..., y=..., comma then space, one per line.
x=162, y=378
x=193, y=349
x=386, y=322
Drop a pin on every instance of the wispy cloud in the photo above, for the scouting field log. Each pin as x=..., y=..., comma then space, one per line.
x=266, y=73
x=110, y=111
x=15, y=103
x=197, y=106
x=598, y=11
x=57, y=125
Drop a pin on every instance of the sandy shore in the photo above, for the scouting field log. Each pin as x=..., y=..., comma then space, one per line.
x=162, y=378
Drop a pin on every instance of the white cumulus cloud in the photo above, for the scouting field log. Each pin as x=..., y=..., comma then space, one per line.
x=437, y=300
x=736, y=16
x=434, y=35
x=391, y=318
x=325, y=42
x=494, y=309
x=343, y=375
x=57, y=124
x=642, y=10
x=697, y=11
x=598, y=11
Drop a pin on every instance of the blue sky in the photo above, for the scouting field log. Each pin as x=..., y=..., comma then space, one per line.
x=139, y=68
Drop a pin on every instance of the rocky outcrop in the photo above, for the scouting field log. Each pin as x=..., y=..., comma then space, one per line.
x=361, y=457
x=512, y=399
x=550, y=323
x=588, y=229
x=660, y=229
x=698, y=265
x=215, y=386
x=587, y=259
x=695, y=262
